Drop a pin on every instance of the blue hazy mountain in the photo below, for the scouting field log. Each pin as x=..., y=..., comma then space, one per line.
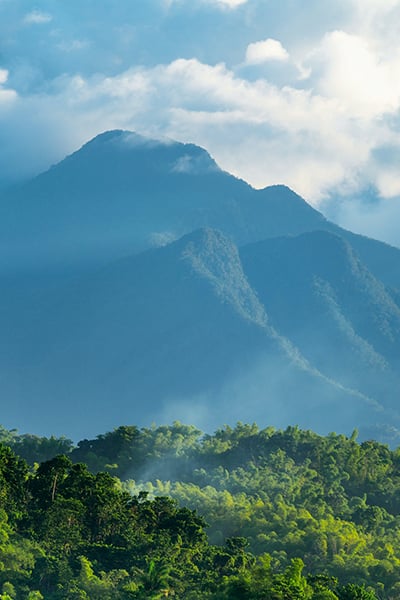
x=173, y=332
x=320, y=295
x=141, y=282
x=121, y=193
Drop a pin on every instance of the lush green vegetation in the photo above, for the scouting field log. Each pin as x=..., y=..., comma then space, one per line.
x=291, y=515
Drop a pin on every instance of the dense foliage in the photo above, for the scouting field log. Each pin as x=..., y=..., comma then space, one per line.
x=290, y=514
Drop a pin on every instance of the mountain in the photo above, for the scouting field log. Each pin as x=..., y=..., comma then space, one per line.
x=141, y=282
x=122, y=193
x=321, y=296
x=172, y=331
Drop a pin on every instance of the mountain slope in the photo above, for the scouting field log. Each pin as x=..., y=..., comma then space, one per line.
x=122, y=193
x=173, y=332
x=118, y=296
x=322, y=297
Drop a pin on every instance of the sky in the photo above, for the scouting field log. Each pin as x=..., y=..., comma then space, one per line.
x=300, y=92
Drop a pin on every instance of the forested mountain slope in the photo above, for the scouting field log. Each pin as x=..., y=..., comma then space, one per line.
x=121, y=193
x=141, y=282
x=322, y=297
x=173, y=331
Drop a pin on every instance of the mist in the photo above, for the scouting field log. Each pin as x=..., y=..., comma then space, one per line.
x=371, y=216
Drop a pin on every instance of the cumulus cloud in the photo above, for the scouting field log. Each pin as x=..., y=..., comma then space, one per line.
x=279, y=134
x=264, y=51
x=35, y=17
x=357, y=75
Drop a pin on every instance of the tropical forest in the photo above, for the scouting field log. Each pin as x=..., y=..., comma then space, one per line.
x=168, y=511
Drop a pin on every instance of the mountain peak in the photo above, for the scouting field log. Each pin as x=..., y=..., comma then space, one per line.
x=106, y=136
x=160, y=154
x=115, y=136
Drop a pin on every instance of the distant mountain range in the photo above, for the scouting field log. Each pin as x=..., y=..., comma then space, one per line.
x=142, y=283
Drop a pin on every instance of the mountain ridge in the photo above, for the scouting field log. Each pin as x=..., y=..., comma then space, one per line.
x=74, y=214
x=139, y=276
x=196, y=333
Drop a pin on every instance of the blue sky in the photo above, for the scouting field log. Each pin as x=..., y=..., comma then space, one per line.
x=301, y=92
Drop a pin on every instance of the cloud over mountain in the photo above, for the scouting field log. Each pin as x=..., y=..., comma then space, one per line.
x=293, y=89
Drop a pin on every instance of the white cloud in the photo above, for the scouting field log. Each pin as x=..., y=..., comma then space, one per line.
x=7, y=96
x=283, y=134
x=224, y=4
x=388, y=183
x=264, y=51
x=229, y=3
x=36, y=17
x=3, y=76
x=354, y=72
x=313, y=120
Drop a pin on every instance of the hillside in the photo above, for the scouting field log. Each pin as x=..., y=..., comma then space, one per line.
x=322, y=297
x=140, y=281
x=122, y=193
x=171, y=332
